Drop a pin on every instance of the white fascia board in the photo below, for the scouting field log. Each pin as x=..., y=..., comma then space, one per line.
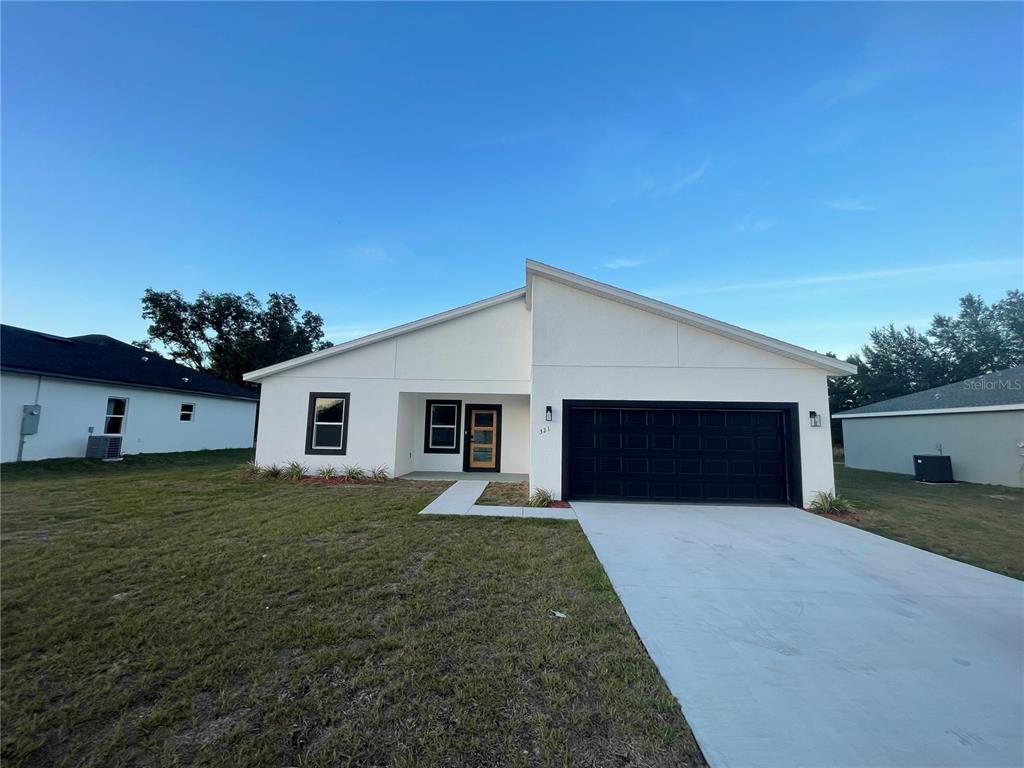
x=830, y=364
x=390, y=333
x=932, y=411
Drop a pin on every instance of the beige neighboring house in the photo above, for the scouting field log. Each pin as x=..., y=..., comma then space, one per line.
x=978, y=423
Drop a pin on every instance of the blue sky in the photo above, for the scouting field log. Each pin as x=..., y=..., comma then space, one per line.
x=807, y=171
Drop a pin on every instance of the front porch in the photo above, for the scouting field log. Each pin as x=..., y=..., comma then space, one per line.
x=490, y=477
x=461, y=436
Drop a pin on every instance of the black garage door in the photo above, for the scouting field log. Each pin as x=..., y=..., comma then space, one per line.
x=694, y=452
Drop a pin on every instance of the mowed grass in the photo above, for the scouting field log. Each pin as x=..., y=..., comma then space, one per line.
x=505, y=495
x=979, y=524
x=164, y=611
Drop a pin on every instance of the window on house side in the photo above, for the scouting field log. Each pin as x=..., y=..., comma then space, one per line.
x=327, y=423
x=117, y=408
x=187, y=411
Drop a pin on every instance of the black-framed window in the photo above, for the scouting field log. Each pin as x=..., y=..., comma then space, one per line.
x=327, y=423
x=188, y=411
x=117, y=409
x=441, y=430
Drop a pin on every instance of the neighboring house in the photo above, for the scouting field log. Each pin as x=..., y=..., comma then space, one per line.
x=978, y=423
x=66, y=389
x=595, y=392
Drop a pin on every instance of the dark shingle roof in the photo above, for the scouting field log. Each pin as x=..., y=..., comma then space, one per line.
x=998, y=388
x=102, y=358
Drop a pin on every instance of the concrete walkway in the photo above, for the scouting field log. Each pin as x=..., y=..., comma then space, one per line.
x=790, y=640
x=461, y=498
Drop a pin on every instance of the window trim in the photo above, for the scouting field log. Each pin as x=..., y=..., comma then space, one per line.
x=311, y=415
x=191, y=414
x=428, y=412
x=123, y=417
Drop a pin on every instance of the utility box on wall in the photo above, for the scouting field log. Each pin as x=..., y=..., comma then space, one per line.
x=30, y=419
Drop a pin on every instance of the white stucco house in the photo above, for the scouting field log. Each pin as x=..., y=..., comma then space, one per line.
x=978, y=423
x=592, y=391
x=57, y=392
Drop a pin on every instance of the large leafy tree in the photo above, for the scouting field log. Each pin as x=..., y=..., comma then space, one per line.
x=227, y=334
x=981, y=338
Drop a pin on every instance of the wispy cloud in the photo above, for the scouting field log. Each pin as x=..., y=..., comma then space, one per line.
x=644, y=185
x=690, y=178
x=853, y=204
x=369, y=254
x=850, y=85
x=755, y=223
x=840, y=277
x=623, y=263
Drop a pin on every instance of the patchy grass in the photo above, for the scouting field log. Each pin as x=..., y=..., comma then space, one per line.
x=979, y=524
x=506, y=495
x=165, y=611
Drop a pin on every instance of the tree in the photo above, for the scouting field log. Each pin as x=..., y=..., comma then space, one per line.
x=980, y=339
x=226, y=334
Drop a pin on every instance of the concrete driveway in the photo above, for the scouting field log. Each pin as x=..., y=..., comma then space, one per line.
x=790, y=640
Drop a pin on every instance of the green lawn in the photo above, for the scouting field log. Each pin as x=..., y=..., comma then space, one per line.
x=164, y=611
x=978, y=524
x=505, y=495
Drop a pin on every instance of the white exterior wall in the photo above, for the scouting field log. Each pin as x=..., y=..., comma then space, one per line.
x=588, y=347
x=152, y=425
x=486, y=353
x=982, y=446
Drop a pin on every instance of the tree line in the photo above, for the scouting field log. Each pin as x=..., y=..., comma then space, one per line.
x=227, y=334
x=979, y=339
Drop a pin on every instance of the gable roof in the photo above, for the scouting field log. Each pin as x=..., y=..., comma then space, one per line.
x=390, y=333
x=95, y=357
x=704, y=323
x=997, y=391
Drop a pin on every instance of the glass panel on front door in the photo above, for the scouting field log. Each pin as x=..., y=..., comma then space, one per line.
x=483, y=430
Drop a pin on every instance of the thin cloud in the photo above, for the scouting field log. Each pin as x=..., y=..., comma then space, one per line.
x=843, y=277
x=755, y=223
x=690, y=178
x=849, y=204
x=655, y=186
x=857, y=83
x=623, y=263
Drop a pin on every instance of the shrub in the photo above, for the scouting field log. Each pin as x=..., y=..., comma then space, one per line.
x=250, y=470
x=380, y=473
x=541, y=497
x=829, y=503
x=327, y=473
x=353, y=474
x=270, y=472
x=294, y=471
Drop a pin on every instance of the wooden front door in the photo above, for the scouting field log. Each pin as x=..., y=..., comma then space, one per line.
x=483, y=438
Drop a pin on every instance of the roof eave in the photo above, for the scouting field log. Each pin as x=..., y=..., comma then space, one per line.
x=857, y=414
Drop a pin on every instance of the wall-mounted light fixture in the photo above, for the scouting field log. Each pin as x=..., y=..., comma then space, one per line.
x=815, y=419
x=548, y=415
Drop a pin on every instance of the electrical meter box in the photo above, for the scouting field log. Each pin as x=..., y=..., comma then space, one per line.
x=30, y=419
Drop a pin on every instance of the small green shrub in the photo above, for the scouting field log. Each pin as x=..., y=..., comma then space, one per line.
x=541, y=497
x=380, y=473
x=829, y=503
x=294, y=471
x=270, y=472
x=353, y=474
x=327, y=473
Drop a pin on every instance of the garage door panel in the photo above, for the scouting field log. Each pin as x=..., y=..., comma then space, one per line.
x=682, y=454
